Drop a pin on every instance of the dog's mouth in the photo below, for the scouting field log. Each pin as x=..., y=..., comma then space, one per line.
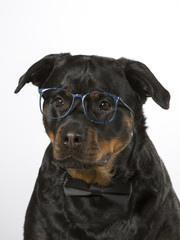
x=91, y=153
x=72, y=161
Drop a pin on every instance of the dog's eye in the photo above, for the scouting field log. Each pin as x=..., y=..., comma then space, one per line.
x=58, y=102
x=104, y=106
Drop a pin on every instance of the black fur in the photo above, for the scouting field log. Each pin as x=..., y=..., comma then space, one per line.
x=153, y=212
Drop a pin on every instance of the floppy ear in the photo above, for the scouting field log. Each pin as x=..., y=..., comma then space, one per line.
x=39, y=72
x=145, y=84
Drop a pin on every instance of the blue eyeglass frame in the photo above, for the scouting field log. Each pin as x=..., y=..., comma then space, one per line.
x=116, y=99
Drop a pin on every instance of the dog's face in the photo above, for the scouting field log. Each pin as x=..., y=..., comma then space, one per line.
x=89, y=149
x=78, y=142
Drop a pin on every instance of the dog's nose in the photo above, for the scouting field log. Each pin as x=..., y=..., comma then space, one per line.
x=72, y=140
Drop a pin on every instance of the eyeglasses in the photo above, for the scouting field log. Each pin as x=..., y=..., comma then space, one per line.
x=98, y=107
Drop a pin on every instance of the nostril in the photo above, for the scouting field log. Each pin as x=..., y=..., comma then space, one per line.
x=66, y=140
x=72, y=140
x=77, y=139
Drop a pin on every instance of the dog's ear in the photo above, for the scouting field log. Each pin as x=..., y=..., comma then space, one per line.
x=144, y=83
x=39, y=71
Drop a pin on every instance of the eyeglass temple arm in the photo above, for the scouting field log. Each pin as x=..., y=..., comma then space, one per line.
x=130, y=109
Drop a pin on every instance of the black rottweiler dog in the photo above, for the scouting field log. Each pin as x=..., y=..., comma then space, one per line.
x=101, y=177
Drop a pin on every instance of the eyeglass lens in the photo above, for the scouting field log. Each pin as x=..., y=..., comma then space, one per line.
x=99, y=107
x=56, y=103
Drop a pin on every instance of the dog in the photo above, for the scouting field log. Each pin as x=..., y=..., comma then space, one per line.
x=101, y=177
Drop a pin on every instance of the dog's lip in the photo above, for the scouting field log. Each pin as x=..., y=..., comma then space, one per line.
x=103, y=161
x=70, y=156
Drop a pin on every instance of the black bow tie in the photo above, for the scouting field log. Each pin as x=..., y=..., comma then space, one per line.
x=118, y=193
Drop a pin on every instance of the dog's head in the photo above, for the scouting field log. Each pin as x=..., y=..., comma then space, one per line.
x=91, y=109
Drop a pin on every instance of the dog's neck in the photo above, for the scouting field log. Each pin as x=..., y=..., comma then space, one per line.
x=100, y=175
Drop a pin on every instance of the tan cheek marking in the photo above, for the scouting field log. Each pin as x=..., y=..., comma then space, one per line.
x=44, y=109
x=57, y=144
x=51, y=136
x=128, y=122
x=113, y=146
x=104, y=146
x=49, y=133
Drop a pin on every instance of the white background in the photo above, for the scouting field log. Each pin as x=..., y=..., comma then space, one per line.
x=147, y=31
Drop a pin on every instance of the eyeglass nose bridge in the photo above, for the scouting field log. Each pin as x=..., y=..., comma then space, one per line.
x=77, y=95
x=82, y=97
